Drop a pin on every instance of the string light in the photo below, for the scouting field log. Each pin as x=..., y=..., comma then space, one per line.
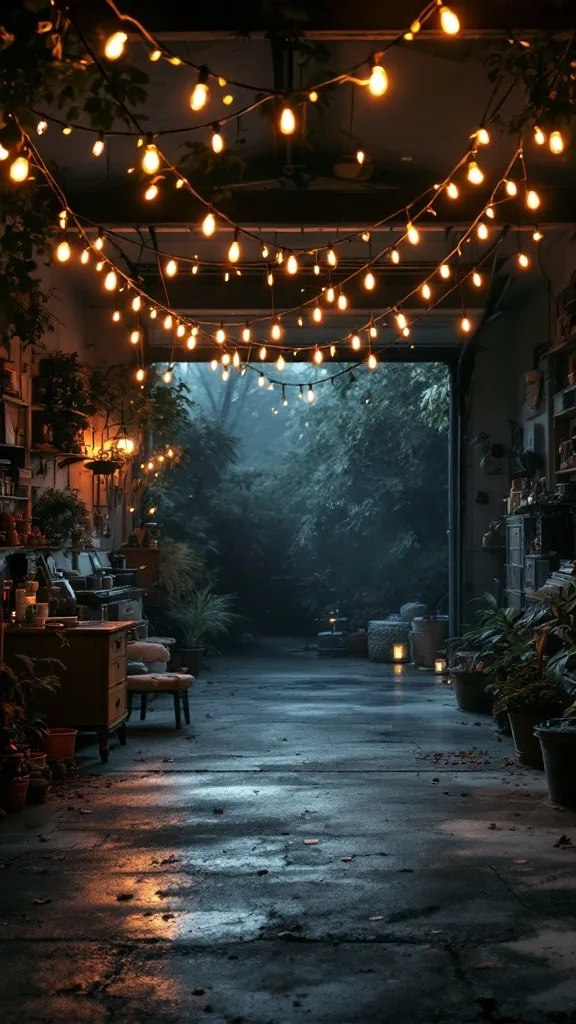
x=369, y=281
x=372, y=361
x=200, y=91
x=234, y=250
x=292, y=264
x=99, y=242
x=372, y=330
x=195, y=268
x=523, y=260
x=318, y=357
x=191, y=342
x=316, y=268
x=136, y=303
x=209, y=225
x=452, y=190
x=135, y=337
x=360, y=155
x=284, y=398
x=42, y=126
x=262, y=353
x=153, y=313
x=19, y=169
x=98, y=147
x=217, y=141
x=4, y=153
x=168, y=322
x=483, y=136
x=280, y=256
x=270, y=279
x=331, y=257
x=287, y=121
x=150, y=158
x=221, y=335
x=445, y=271
x=154, y=55
x=276, y=330
x=310, y=395
x=401, y=321
x=475, y=175
x=214, y=364
x=490, y=212
x=556, y=142
x=378, y=81
x=280, y=362
x=330, y=294
x=477, y=279
x=67, y=130
x=167, y=376
x=151, y=193
x=171, y=268
x=449, y=22
x=539, y=136
x=63, y=251
x=264, y=252
x=116, y=316
x=313, y=96
x=246, y=333
x=261, y=380
x=342, y=302
x=482, y=231
x=511, y=187
x=180, y=330
x=532, y=199
x=412, y=234
x=317, y=314
x=236, y=360
x=114, y=45
x=365, y=236
x=85, y=256
x=395, y=256
x=225, y=360
x=406, y=332
x=426, y=291
x=465, y=325
x=140, y=374
x=110, y=281
x=355, y=342
x=537, y=235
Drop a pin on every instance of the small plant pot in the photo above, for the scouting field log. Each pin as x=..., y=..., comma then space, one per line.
x=558, y=741
x=13, y=794
x=192, y=659
x=528, y=749
x=38, y=758
x=471, y=693
x=59, y=744
x=38, y=791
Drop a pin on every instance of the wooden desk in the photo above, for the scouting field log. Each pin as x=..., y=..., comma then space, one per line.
x=92, y=695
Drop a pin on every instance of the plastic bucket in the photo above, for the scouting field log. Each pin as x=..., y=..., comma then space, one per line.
x=471, y=693
x=59, y=744
x=558, y=741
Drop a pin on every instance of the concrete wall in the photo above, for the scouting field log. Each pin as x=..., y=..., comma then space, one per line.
x=506, y=348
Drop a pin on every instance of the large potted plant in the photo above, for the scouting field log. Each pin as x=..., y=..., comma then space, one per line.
x=474, y=654
x=199, y=620
x=63, y=518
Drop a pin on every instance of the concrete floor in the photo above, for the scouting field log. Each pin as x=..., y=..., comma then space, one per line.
x=328, y=842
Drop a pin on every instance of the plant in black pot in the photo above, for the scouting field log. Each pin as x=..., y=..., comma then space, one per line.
x=200, y=619
x=474, y=653
x=63, y=518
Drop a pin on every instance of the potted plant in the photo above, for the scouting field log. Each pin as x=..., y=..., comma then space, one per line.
x=528, y=694
x=63, y=518
x=474, y=654
x=201, y=618
x=22, y=724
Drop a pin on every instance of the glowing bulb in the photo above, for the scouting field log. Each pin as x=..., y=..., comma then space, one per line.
x=406, y=332
x=180, y=330
x=372, y=361
x=167, y=378
x=195, y=268
x=63, y=252
x=110, y=281
x=483, y=136
x=318, y=357
x=490, y=212
x=360, y=156
x=85, y=257
x=191, y=342
x=412, y=234
x=482, y=231
x=532, y=199
x=331, y=257
x=217, y=142
x=556, y=142
x=150, y=159
x=539, y=136
x=4, y=153
x=426, y=291
x=276, y=331
x=42, y=126
x=140, y=374
x=264, y=252
x=116, y=316
x=449, y=22
x=225, y=359
x=355, y=342
x=136, y=303
x=280, y=362
x=236, y=360
x=154, y=55
x=369, y=281
x=270, y=278
x=261, y=380
x=246, y=333
x=100, y=265
x=311, y=395
x=67, y=130
x=214, y=364
x=151, y=192
x=168, y=322
x=401, y=320
x=19, y=169
x=287, y=121
x=171, y=268
x=445, y=271
x=465, y=325
x=330, y=294
x=316, y=268
x=135, y=337
x=199, y=96
x=537, y=235
x=280, y=256
x=475, y=175
x=452, y=190
x=317, y=315
x=511, y=188
x=221, y=335
x=262, y=353
x=99, y=243
x=477, y=279
x=98, y=147
x=114, y=45
x=234, y=252
x=153, y=313
x=378, y=81
x=523, y=260
x=209, y=225
x=365, y=236
x=342, y=301
x=292, y=264
x=395, y=256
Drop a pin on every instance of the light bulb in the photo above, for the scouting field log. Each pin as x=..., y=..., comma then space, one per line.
x=151, y=193
x=195, y=268
x=99, y=243
x=331, y=257
x=114, y=45
x=221, y=335
x=395, y=256
x=98, y=147
x=199, y=94
x=276, y=331
x=4, y=153
x=537, y=235
x=330, y=294
x=100, y=265
x=369, y=281
x=532, y=199
x=85, y=257
x=318, y=357
x=317, y=315
x=168, y=322
x=153, y=313
x=449, y=22
x=262, y=353
x=116, y=316
x=342, y=302
x=287, y=121
x=214, y=364
x=412, y=234
x=19, y=169
x=365, y=236
x=406, y=332
x=209, y=225
x=110, y=281
x=490, y=212
x=482, y=231
x=355, y=342
x=191, y=342
x=217, y=142
x=300, y=321
x=154, y=55
x=292, y=264
x=167, y=376
x=316, y=268
x=135, y=337
x=372, y=361
x=360, y=155
x=270, y=278
x=280, y=256
x=556, y=142
x=378, y=81
x=261, y=380
x=465, y=325
x=426, y=291
x=373, y=330
x=483, y=136
x=63, y=252
x=523, y=260
x=150, y=159
x=234, y=252
x=401, y=320
x=539, y=136
x=246, y=333
x=42, y=126
x=477, y=279
x=475, y=175
x=171, y=268
x=67, y=130
x=264, y=252
x=511, y=187
x=280, y=362
x=136, y=303
x=225, y=359
x=227, y=99
x=452, y=190
x=236, y=360
x=140, y=374
x=181, y=330
x=311, y=395
x=445, y=271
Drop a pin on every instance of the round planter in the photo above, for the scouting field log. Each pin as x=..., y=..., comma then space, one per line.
x=428, y=636
x=192, y=659
x=13, y=794
x=383, y=634
x=412, y=610
x=59, y=744
x=528, y=749
x=471, y=693
x=558, y=741
x=38, y=791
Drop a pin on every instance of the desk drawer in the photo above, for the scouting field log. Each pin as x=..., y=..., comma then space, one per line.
x=117, y=703
x=118, y=645
x=116, y=671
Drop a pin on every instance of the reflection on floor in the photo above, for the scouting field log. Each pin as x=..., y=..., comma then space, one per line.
x=328, y=842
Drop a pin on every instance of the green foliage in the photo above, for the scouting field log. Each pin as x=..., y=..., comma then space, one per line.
x=495, y=635
x=545, y=69
x=18, y=690
x=180, y=569
x=63, y=518
x=527, y=691
x=204, y=616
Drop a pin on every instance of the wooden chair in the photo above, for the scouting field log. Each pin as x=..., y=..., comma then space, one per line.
x=176, y=683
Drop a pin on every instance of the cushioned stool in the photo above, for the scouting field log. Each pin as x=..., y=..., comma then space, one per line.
x=175, y=683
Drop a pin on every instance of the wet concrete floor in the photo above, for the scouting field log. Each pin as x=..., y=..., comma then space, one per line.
x=327, y=842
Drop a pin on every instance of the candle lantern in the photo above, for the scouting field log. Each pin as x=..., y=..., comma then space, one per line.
x=440, y=666
x=399, y=652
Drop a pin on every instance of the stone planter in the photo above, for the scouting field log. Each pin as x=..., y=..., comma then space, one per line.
x=383, y=634
x=471, y=693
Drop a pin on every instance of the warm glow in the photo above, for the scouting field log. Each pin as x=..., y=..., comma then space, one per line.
x=318, y=357
x=331, y=257
x=556, y=142
x=399, y=652
x=246, y=333
x=154, y=55
x=292, y=264
x=287, y=121
x=401, y=321
x=209, y=225
x=490, y=212
x=181, y=330
x=511, y=188
x=98, y=147
x=167, y=378
x=452, y=190
x=125, y=444
x=234, y=251
x=276, y=331
x=114, y=45
x=539, y=137
x=280, y=362
x=477, y=279
x=19, y=169
x=85, y=256
x=523, y=260
x=330, y=294
x=475, y=175
x=116, y=316
x=135, y=337
x=378, y=81
x=483, y=136
x=150, y=159
x=151, y=193
x=369, y=281
x=412, y=234
x=445, y=271
x=171, y=268
x=42, y=126
x=395, y=256
x=199, y=96
x=532, y=199
x=482, y=231
x=440, y=666
x=310, y=394
x=316, y=268
x=449, y=22
x=373, y=330
x=4, y=153
x=136, y=303
x=264, y=252
x=221, y=335
x=63, y=252
x=191, y=342
x=140, y=374
x=360, y=155
x=262, y=353
x=313, y=96
x=537, y=235
x=110, y=281
x=465, y=325
x=270, y=278
x=355, y=342
x=99, y=243
x=426, y=291
x=317, y=315
x=342, y=301
x=372, y=361
x=217, y=142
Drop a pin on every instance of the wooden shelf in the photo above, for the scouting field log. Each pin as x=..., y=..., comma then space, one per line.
x=48, y=453
x=564, y=472
x=13, y=497
x=13, y=400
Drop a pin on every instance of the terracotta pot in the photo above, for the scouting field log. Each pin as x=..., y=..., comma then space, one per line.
x=59, y=744
x=13, y=794
x=471, y=693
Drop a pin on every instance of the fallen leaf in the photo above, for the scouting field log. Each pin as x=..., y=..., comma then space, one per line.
x=168, y=917
x=563, y=841
x=123, y=897
x=40, y=902
x=218, y=810
x=263, y=871
x=520, y=860
x=347, y=860
x=311, y=842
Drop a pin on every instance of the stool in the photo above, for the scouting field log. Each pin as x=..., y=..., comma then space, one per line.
x=175, y=683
